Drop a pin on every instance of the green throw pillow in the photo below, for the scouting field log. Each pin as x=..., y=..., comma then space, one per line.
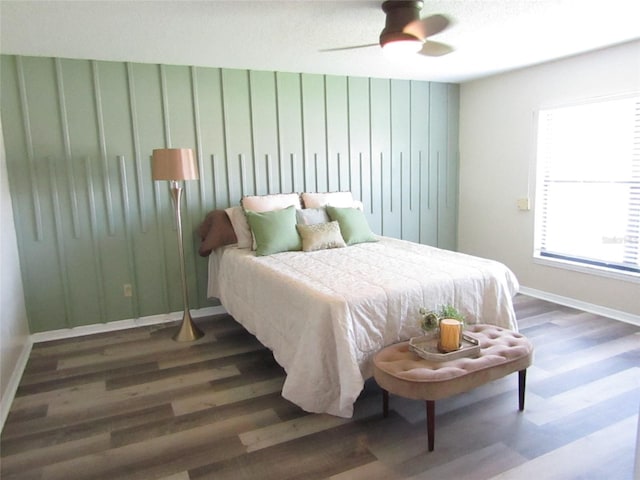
x=353, y=225
x=274, y=231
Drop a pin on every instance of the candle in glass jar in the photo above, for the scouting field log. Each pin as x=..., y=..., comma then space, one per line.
x=450, y=331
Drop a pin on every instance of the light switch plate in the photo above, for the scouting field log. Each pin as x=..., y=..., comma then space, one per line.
x=523, y=204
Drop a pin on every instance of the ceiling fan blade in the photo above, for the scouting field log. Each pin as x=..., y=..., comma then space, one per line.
x=427, y=26
x=354, y=47
x=435, y=49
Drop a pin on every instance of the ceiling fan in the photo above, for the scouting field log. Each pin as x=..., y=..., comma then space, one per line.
x=405, y=31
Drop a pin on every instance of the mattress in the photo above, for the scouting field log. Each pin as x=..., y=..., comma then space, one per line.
x=325, y=314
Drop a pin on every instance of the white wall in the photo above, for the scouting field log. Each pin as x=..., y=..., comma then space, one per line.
x=497, y=166
x=14, y=332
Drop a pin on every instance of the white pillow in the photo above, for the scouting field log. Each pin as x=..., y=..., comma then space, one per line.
x=268, y=203
x=240, y=226
x=335, y=199
x=312, y=216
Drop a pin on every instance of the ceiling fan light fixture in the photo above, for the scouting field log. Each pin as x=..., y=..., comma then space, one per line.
x=405, y=34
x=402, y=47
x=400, y=44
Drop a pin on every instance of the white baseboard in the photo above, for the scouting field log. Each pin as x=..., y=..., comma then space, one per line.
x=12, y=386
x=122, y=324
x=580, y=305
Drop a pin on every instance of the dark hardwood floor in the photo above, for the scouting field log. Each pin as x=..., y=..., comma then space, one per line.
x=136, y=405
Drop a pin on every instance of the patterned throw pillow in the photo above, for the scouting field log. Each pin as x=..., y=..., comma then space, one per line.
x=320, y=236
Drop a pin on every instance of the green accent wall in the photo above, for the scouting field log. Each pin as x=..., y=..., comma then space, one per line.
x=89, y=219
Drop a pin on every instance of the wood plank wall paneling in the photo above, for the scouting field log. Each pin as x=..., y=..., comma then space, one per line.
x=79, y=136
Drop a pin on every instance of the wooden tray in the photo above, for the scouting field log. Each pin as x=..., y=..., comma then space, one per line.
x=427, y=348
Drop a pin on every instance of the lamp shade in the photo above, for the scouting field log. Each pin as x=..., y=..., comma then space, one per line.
x=174, y=164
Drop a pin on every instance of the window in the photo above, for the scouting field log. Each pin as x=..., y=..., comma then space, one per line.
x=588, y=185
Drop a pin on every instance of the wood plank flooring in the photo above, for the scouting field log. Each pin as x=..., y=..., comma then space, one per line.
x=136, y=405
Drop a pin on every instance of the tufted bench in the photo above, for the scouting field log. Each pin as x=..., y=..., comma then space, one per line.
x=400, y=371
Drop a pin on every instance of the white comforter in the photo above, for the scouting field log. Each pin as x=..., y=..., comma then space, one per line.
x=325, y=314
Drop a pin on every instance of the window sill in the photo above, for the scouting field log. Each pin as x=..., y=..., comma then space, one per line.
x=588, y=269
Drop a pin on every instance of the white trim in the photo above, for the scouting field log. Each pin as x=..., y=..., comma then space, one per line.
x=122, y=324
x=576, y=102
x=12, y=387
x=586, y=268
x=580, y=305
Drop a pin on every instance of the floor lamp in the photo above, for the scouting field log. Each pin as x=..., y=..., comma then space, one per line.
x=176, y=165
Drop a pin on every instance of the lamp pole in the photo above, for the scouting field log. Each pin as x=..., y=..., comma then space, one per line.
x=188, y=330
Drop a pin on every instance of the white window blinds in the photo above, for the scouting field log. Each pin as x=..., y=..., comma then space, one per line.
x=588, y=184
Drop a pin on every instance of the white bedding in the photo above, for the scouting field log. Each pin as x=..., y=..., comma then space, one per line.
x=324, y=314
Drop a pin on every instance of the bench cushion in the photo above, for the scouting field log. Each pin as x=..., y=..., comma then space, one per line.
x=402, y=372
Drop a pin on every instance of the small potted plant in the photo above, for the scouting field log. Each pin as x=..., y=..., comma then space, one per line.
x=430, y=319
x=443, y=334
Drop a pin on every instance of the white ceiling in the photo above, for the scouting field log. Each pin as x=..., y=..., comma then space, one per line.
x=489, y=36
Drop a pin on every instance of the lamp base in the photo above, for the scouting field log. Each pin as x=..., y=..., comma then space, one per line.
x=188, y=330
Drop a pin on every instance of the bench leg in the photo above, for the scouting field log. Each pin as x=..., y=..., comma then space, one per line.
x=385, y=403
x=431, y=423
x=522, y=383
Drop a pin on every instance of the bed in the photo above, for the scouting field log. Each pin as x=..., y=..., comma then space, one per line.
x=325, y=313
